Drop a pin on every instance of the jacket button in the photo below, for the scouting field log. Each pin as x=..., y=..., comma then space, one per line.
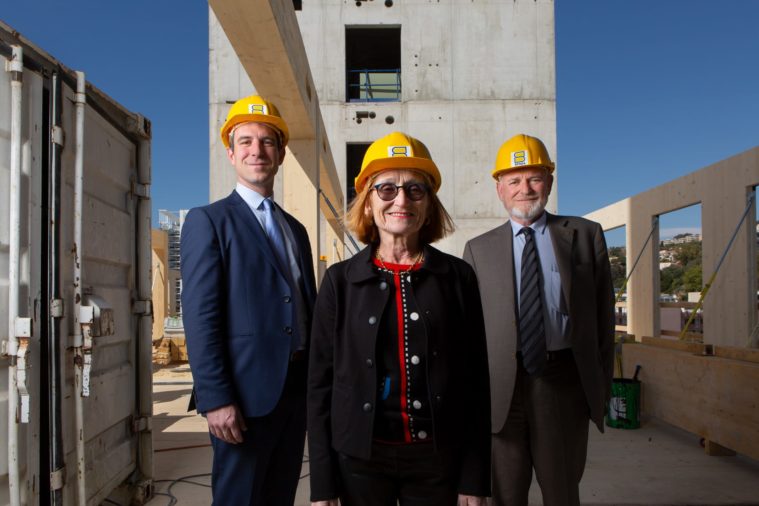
x=417, y=404
x=286, y=298
x=288, y=330
x=438, y=398
x=383, y=286
x=367, y=407
x=415, y=360
x=434, y=353
x=414, y=316
x=369, y=362
x=422, y=434
x=372, y=320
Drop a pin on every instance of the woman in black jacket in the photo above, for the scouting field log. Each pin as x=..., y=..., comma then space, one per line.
x=398, y=389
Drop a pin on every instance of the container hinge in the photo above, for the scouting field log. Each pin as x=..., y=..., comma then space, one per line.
x=142, y=307
x=57, y=135
x=16, y=63
x=142, y=424
x=23, y=333
x=141, y=191
x=56, y=308
x=58, y=479
x=139, y=125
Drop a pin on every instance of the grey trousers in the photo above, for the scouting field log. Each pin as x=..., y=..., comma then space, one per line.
x=546, y=429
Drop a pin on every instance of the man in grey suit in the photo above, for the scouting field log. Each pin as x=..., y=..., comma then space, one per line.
x=548, y=303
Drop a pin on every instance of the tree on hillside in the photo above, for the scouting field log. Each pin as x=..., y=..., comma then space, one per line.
x=618, y=262
x=688, y=254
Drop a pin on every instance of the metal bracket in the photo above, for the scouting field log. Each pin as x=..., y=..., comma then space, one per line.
x=143, y=492
x=23, y=327
x=141, y=191
x=57, y=308
x=139, y=126
x=142, y=424
x=142, y=307
x=16, y=63
x=22, y=356
x=86, y=371
x=57, y=135
x=58, y=479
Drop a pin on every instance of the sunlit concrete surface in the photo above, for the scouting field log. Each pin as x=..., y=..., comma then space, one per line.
x=655, y=465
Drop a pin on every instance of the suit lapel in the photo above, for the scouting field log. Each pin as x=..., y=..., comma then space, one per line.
x=244, y=214
x=502, y=285
x=562, y=237
x=301, y=248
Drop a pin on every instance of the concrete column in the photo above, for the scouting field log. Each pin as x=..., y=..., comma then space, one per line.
x=300, y=176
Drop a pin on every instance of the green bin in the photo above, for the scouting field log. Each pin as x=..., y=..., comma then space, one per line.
x=624, y=406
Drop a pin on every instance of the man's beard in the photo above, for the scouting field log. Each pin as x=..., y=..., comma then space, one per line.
x=533, y=212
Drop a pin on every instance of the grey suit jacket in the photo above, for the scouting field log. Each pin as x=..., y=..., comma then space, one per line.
x=580, y=250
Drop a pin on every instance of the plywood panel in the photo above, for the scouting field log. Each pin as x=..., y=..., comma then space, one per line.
x=711, y=396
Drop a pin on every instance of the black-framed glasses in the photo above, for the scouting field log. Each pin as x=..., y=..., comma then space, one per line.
x=388, y=191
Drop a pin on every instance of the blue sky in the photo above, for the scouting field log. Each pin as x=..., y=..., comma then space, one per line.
x=647, y=91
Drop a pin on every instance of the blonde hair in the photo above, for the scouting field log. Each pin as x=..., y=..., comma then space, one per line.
x=437, y=224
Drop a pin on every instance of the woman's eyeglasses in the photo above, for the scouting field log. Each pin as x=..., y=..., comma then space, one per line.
x=413, y=191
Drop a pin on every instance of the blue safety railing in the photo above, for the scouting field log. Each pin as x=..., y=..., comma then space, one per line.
x=374, y=85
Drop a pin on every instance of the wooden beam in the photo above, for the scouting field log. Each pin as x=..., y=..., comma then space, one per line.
x=267, y=40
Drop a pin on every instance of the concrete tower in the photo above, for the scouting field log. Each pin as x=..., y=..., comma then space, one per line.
x=460, y=76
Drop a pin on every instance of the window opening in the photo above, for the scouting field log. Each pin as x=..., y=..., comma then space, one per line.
x=373, y=64
x=354, y=156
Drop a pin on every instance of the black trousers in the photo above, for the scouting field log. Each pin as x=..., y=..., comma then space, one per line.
x=409, y=475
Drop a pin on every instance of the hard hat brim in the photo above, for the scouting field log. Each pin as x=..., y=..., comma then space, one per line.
x=424, y=165
x=498, y=172
x=274, y=121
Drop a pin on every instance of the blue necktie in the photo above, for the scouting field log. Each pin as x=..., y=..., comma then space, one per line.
x=532, y=335
x=274, y=232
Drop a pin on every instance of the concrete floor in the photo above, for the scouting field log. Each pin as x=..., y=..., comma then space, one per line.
x=655, y=465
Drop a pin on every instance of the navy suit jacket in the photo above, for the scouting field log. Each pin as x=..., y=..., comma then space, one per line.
x=238, y=309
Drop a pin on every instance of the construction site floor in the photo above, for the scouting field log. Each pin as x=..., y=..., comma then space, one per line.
x=655, y=465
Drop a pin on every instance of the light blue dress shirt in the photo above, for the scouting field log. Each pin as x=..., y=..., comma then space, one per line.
x=555, y=314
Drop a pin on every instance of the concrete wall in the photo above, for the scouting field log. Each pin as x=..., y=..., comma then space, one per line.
x=473, y=74
x=723, y=190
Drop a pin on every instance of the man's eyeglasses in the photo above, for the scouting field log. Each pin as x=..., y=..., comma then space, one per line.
x=388, y=191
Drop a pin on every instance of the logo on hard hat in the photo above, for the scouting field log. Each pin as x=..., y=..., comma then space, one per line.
x=520, y=158
x=258, y=109
x=398, y=151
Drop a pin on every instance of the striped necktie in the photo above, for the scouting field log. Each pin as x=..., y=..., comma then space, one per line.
x=532, y=334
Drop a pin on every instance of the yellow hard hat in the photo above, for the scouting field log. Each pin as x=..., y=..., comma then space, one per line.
x=521, y=152
x=397, y=151
x=253, y=109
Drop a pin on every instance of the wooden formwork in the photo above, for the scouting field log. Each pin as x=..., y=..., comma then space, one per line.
x=711, y=391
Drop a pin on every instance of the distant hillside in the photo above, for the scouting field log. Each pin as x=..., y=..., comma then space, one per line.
x=682, y=273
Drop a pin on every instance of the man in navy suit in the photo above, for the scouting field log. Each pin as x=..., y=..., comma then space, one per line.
x=248, y=292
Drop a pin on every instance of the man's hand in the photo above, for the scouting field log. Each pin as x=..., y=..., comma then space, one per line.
x=470, y=500
x=226, y=423
x=331, y=502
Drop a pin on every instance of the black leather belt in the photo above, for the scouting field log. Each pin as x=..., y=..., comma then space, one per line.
x=553, y=355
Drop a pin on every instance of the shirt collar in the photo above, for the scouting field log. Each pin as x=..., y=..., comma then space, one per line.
x=251, y=197
x=539, y=226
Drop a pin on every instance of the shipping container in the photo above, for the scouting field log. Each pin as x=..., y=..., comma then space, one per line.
x=75, y=310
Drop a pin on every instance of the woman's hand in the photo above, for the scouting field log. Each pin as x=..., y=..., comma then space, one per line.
x=470, y=500
x=331, y=502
